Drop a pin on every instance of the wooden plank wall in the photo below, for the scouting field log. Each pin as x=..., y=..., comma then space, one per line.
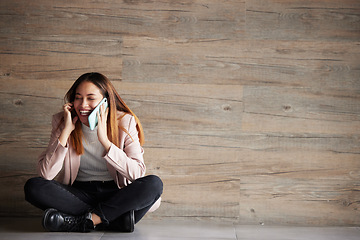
x=251, y=108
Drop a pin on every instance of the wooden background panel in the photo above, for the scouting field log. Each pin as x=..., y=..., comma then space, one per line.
x=14, y=88
x=289, y=142
x=270, y=204
x=183, y=115
x=306, y=213
x=193, y=181
x=36, y=72
x=269, y=124
x=12, y=194
x=28, y=121
x=182, y=122
x=309, y=183
x=315, y=175
x=199, y=162
x=299, y=20
x=231, y=93
x=298, y=110
x=26, y=125
x=199, y=197
x=250, y=108
x=47, y=45
x=305, y=103
x=178, y=61
x=55, y=58
x=178, y=115
x=181, y=19
x=242, y=62
x=302, y=163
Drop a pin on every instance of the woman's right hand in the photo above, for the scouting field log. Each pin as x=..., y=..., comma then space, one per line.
x=69, y=124
x=68, y=120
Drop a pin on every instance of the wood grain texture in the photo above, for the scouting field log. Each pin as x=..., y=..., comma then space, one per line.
x=303, y=20
x=177, y=19
x=284, y=184
x=58, y=58
x=298, y=110
x=315, y=65
x=250, y=108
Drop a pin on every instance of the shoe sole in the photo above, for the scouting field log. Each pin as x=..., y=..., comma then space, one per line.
x=132, y=221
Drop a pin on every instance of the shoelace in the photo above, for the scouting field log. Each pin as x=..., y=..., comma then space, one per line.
x=75, y=224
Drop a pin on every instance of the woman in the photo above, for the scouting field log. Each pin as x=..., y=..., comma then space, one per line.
x=100, y=173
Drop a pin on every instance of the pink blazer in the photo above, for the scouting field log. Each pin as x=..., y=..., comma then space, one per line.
x=125, y=164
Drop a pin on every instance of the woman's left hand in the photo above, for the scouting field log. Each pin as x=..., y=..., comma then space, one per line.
x=102, y=128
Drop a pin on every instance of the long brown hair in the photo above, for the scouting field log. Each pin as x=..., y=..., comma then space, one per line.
x=115, y=104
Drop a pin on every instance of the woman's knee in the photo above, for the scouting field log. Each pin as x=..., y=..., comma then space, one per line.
x=155, y=182
x=31, y=187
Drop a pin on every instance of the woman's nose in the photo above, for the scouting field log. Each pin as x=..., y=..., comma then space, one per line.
x=84, y=103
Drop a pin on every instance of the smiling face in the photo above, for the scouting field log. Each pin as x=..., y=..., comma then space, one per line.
x=87, y=97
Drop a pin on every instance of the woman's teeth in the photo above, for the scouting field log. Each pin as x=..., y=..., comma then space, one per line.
x=85, y=112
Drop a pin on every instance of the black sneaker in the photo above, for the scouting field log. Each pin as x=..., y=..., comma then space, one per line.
x=55, y=221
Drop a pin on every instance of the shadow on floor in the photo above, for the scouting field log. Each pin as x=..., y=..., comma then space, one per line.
x=21, y=225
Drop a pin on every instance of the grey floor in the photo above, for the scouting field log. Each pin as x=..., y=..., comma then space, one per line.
x=30, y=229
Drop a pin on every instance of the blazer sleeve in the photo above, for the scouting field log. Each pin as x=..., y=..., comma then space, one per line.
x=128, y=161
x=50, y=162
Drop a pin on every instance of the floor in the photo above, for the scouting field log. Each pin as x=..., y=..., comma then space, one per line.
x=30, y=229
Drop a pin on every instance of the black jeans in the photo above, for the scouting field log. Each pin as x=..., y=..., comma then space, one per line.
x=102, y=198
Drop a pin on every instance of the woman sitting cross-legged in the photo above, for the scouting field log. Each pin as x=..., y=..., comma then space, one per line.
x=100, y=173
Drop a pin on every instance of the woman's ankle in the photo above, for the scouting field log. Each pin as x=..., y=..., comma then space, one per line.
x=96, y=219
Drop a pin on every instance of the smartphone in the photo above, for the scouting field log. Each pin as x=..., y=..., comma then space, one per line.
x=93, y=120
